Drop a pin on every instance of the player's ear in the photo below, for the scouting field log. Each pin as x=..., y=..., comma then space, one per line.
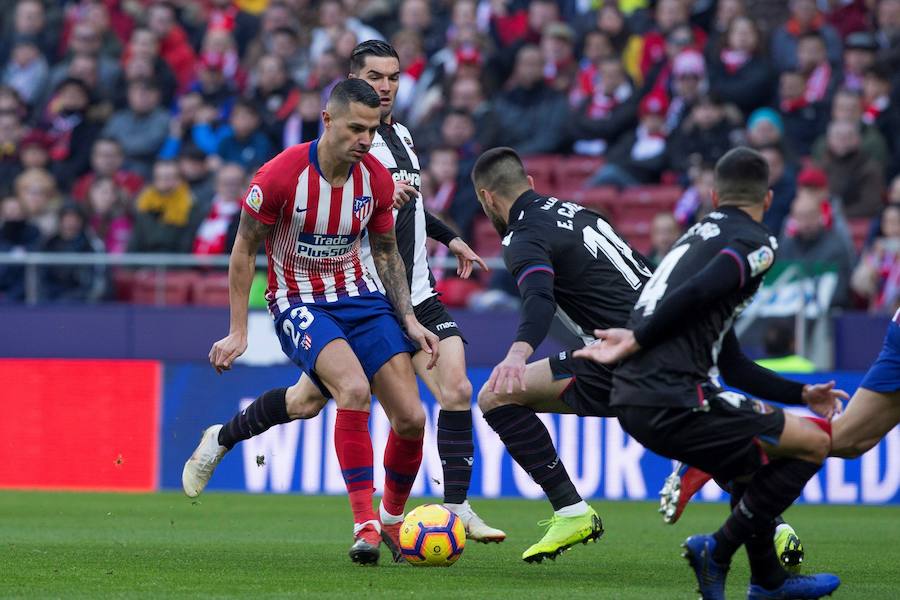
x=530, y=181
x=715, y=199
x=326, y=118
x=768, y=201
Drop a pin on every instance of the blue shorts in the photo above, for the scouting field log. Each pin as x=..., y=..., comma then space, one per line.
x=367, y=322
x=884, y=374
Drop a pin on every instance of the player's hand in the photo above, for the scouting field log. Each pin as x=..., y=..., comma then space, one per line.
x=824, y=400
x=427, y=341
x=509, y=376
x=465, y=256
x=403, y=193
x=612, y=346
x=227, y=350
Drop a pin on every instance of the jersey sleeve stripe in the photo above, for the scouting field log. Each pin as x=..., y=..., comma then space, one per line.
x=737, y=258
x=534, y=269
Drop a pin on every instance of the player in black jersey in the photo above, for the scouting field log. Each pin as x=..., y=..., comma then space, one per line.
x=566, y=260
x=667, y=395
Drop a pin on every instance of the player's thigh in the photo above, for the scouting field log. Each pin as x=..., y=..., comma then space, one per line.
x=394, y=385
x=868, y=418
x=541, y=394
x=304, y=399
x=447, y=380
x=800, y=438
x=338, y=368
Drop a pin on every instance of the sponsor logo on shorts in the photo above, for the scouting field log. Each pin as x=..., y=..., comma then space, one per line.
x=255, y=198
x=314, y=245
x=445, y=325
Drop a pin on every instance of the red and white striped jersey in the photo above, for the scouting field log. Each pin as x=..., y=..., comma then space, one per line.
x=313, y=248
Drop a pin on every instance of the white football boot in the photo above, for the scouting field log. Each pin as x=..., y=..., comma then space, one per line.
x=476, y=528
x=200, y=466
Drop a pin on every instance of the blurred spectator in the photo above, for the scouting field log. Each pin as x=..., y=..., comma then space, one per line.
x=86, y=42
x=108, y=161
x=881, y=111
x=163, y=222
x=28, y=19
x=108, y=214
x=607, y=113
x=193, y=166
x=597, y=47
x=811, y=243
x=805, y=18
x=783, y=183
x=453, y=199
x=812, y=63
x=220, y=48
x=688, y=84
x=305, y=124
x=243, y=142
x=847, y=106
x=740, y=73
x=415, y=15
x=639, y=156
x=813, y=181
x=803, y=120
x=328, y=70
x=664, y=232
x=696, y=201
x=458, y=132
x=72, y=128
x=220, y=222
x=11, y=133
x=467, y=93
x=333, y=20
x=214, y=87
x=703, y=137
x=781, y=354
x=274, y=95
x=11, y=103
x=68, y=283
x=285, y=44
x=764, y=128
x=142, y=54
x=668, y=15
x=659, y=77
x=17, y=235
x=141, y=128
x=558, y=50
x=27, y=71
x=859, y=55
x=34, y=150
x=98, y=14
x=853, y=176
x=888, y=33
x=174, y=47
x=227, y=16
x=877, y=276
x=626, y=44
x=413, y=61
x=532, y=117
x=37, y=191
x=726, y=12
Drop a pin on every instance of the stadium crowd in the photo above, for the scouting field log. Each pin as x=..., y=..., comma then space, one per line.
x=134, y=125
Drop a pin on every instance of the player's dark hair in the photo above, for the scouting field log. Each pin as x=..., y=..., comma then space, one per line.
x=370, y=48
x=742, y=177
x=352, y=91
x=499, y=170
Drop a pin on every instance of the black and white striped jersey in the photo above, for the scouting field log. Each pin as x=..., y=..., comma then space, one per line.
x=393, y=147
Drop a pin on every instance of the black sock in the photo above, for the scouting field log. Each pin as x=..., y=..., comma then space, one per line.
x=528, y=442
x=267, y=410
x=779, y=520
x=771, y=491
x=457, y=452
x=765, y=570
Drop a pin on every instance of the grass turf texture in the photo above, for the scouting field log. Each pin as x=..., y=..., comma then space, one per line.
x=163, y=545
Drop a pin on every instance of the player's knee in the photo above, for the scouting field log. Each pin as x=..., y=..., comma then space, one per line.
x=457, y=396
x=818, y=447
x=353, y=394
x=302, y=405
x=488, y=400
x=409, y=423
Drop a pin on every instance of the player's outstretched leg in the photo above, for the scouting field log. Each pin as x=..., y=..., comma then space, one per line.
x=453, y=390
x=526, y=439
x=678, y=489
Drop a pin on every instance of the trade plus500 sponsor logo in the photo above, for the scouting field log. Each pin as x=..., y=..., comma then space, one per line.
x=314, y=245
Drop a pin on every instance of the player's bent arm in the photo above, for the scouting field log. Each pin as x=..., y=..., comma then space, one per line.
x=438, y=230
x=741, y=372
x=391, y=270
x=241, y=268
x=720, y=277
x=538, y=308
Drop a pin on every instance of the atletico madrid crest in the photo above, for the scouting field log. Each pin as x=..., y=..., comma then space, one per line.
x=362, y=207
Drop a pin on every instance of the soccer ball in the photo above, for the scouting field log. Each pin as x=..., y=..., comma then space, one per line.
x=432, y=536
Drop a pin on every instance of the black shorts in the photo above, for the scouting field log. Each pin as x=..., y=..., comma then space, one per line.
x=588, y=392
x=433, y=315
x=724, y=440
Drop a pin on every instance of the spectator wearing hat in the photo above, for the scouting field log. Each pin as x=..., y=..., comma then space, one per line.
x=782, y=182
x=810, y=243
x=558, y=50
x=166, y=217
x=803, y=120
x=532, y=117
x=227, y=16
x=853, y=176
x=739, y=72
x=764, y=127
x=17, y=234
x=703, y=137
x=27, y=71
x=108, y=161
x=174, y=47
x=11, y=134
x=639, y=156
x=813, y=181
x=34, y=150
x=804, y=18
x=668, y=15
x=71, y=126
x=659, y=77
x=688, y=85
x=141, y=128
x=859, y=54
x=68, y=283
x=607, y=113
x=847, y=106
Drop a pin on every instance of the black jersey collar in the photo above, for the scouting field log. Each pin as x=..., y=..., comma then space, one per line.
x=521, y=202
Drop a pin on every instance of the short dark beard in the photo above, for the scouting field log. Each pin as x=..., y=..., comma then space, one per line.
x=498, y=223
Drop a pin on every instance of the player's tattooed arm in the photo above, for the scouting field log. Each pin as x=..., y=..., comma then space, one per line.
x=252, y=232
x=391, y=270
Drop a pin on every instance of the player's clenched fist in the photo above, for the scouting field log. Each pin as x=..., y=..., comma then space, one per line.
x=226, y=351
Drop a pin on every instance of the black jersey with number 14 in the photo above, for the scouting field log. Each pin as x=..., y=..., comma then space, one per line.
x=596, y=275
x=671, y=372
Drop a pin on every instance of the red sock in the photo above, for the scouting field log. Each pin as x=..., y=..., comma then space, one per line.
x=402, y=458
x=354, y=452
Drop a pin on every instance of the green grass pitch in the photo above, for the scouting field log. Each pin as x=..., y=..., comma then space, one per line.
x=69, y=545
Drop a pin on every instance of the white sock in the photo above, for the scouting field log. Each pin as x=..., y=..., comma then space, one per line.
x=386, y=517
x=573, y=510
x=456, y=508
